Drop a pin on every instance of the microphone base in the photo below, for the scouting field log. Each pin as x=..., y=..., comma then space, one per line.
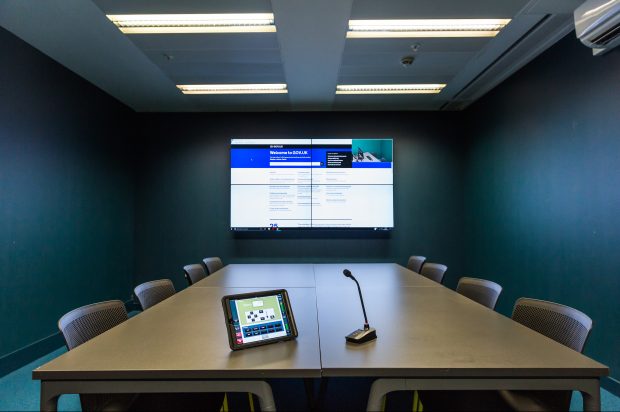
x=362, y=335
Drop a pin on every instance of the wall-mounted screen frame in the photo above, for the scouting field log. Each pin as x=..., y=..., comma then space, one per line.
x=311, y=184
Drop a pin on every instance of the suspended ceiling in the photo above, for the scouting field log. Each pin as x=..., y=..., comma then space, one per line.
x=309, y=51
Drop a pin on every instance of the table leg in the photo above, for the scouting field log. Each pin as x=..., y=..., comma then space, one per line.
x=382, y=387
x=592, y=396
x=49, y=398
x=51, y=390
x=589, y=387
x=265, y=396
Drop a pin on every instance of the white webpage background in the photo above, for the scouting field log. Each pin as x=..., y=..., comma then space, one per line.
x=262, y=205
x=352, y=206
x=317, y=176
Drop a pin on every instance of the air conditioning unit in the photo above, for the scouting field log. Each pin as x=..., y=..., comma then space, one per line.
x=597, y=24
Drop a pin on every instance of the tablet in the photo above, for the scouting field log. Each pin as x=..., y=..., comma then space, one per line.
x=258, y=318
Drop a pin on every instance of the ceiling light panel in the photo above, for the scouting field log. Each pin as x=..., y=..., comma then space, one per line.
x=425, y=28
x=279, y=88
x=389, y=88
x=194, y=23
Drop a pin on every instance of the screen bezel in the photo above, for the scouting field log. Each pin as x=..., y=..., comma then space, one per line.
x=230, y=329
x=322, y=231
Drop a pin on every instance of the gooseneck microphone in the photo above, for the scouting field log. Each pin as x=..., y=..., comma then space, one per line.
x=360, y=335
x=348, y=274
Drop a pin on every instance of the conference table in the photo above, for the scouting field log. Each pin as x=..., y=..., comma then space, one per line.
x=429, y=338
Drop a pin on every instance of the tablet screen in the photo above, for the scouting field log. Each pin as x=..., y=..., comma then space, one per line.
x=260, y=318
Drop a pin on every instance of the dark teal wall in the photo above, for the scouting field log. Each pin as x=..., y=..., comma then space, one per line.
x=543, y=188
x=66, y=195
x=183, y=190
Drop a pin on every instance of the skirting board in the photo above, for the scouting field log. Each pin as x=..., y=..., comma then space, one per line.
x=25, y=355
x=611, y=385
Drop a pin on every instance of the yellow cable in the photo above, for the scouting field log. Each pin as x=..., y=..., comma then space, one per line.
x=224, y=407
x=417, y=403
x=251, y=400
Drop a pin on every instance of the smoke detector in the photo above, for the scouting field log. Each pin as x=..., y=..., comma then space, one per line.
x=407, y=61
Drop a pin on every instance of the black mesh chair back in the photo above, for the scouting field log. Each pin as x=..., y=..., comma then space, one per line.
x=153, y=292
x=434, y=271
x=415, y=263
x=482, y=291
x=213, y=264
x=194, y=273
x=81, y=325
x=563, y=324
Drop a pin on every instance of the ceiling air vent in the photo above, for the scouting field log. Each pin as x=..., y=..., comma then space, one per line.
x=597, y=24
x=607, y=37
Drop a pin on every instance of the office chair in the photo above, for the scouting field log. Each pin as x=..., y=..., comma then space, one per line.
x=482, y=291
x=213, y=264
x=81, y=325
x=87, y=322
x=415, y=263
x=153, y=292
x=434, y=271
x=563, y=324
x=194, y=273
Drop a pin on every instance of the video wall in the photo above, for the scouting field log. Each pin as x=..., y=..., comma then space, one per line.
x=283, y=184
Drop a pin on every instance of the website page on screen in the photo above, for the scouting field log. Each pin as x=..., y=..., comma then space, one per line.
x=311, y=183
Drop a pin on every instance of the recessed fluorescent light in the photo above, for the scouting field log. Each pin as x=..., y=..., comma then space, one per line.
x=194, y=23
x=389, y=88
x=426, y=28
x=232, y=88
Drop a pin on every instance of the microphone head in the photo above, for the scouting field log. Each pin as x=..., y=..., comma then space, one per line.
x=347, y=273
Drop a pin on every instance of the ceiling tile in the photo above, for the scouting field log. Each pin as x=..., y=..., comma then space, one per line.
x=222, y=41
x=241, y=102
x=424, y=45
x=207, y=70
x=183, y=6
x=391, y=102
x=423, y=62
x=236, y=56
x=429, y=9
x=309, y=51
